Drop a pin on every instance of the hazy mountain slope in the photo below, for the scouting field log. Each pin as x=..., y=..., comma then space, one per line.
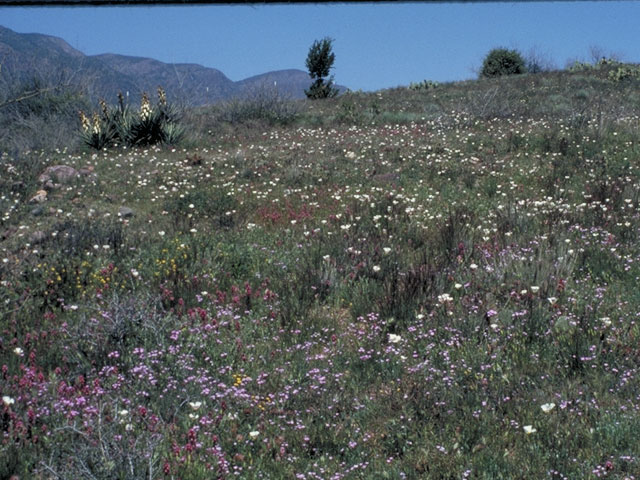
x=25, y=56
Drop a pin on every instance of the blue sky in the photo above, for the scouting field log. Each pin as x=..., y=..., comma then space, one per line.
x=377, y=46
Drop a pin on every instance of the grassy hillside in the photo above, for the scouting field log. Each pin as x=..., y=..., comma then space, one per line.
x=438, y=283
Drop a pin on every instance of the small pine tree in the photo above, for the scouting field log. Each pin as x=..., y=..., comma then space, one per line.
x=319, y=62
x=501, y=61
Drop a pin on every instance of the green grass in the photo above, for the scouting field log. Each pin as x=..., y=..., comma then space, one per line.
x=386, y=285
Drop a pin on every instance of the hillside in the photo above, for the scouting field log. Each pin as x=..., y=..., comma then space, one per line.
x=421, y=284
x=25, y=56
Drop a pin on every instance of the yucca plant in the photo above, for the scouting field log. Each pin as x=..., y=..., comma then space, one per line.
x=149, y=126
x=96, y=132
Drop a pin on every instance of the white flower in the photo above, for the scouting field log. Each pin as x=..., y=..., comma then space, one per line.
x=547, y=407
x=7, y=400
x=444, y=298
x=254, y=434
x=195, y=405
x=552, y=300
x=393, y=338
x=606, y=321
x=528, y=429
x=18, y=351
x=386, y=250
x=376, y=268
x=123, y=413
x=535, y=289
x=457, y=286
x=473, y=266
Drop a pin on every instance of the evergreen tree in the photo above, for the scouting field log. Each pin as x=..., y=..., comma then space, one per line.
x=319, y=62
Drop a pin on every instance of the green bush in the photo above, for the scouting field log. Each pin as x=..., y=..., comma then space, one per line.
x=501, y=61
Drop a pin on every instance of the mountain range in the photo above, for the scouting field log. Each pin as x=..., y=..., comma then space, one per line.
x=24, y=56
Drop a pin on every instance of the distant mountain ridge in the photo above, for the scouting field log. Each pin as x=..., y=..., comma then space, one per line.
x=25, y=55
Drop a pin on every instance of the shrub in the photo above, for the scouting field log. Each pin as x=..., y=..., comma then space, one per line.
x=501, y=61
x=537, y=62
x=624, y=72
x=423, y=85
x=264, y=103
x=39, y=113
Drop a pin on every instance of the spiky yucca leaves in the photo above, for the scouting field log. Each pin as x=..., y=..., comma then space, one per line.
x=154, y=124
x=150, y=125
x=96, y=133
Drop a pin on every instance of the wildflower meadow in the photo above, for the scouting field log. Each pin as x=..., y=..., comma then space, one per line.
x=436, y=283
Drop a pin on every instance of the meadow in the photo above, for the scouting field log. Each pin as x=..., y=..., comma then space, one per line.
x=429, y=283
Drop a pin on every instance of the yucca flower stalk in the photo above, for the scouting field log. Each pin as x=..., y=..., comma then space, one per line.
x=121, y=102
x=162, y=97
x=145, y=107
x=96, y=124
x=104, y=108
x=86, y=124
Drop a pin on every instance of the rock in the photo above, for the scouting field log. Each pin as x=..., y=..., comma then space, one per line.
x=60, y=173
x=50, y=186
x=37, y=237
x=125, y=212
x=87, y=172
x=36, y=212
x=39, y=197
x=8, y=233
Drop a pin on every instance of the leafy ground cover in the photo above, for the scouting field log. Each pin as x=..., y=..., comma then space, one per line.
x=433, y=283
